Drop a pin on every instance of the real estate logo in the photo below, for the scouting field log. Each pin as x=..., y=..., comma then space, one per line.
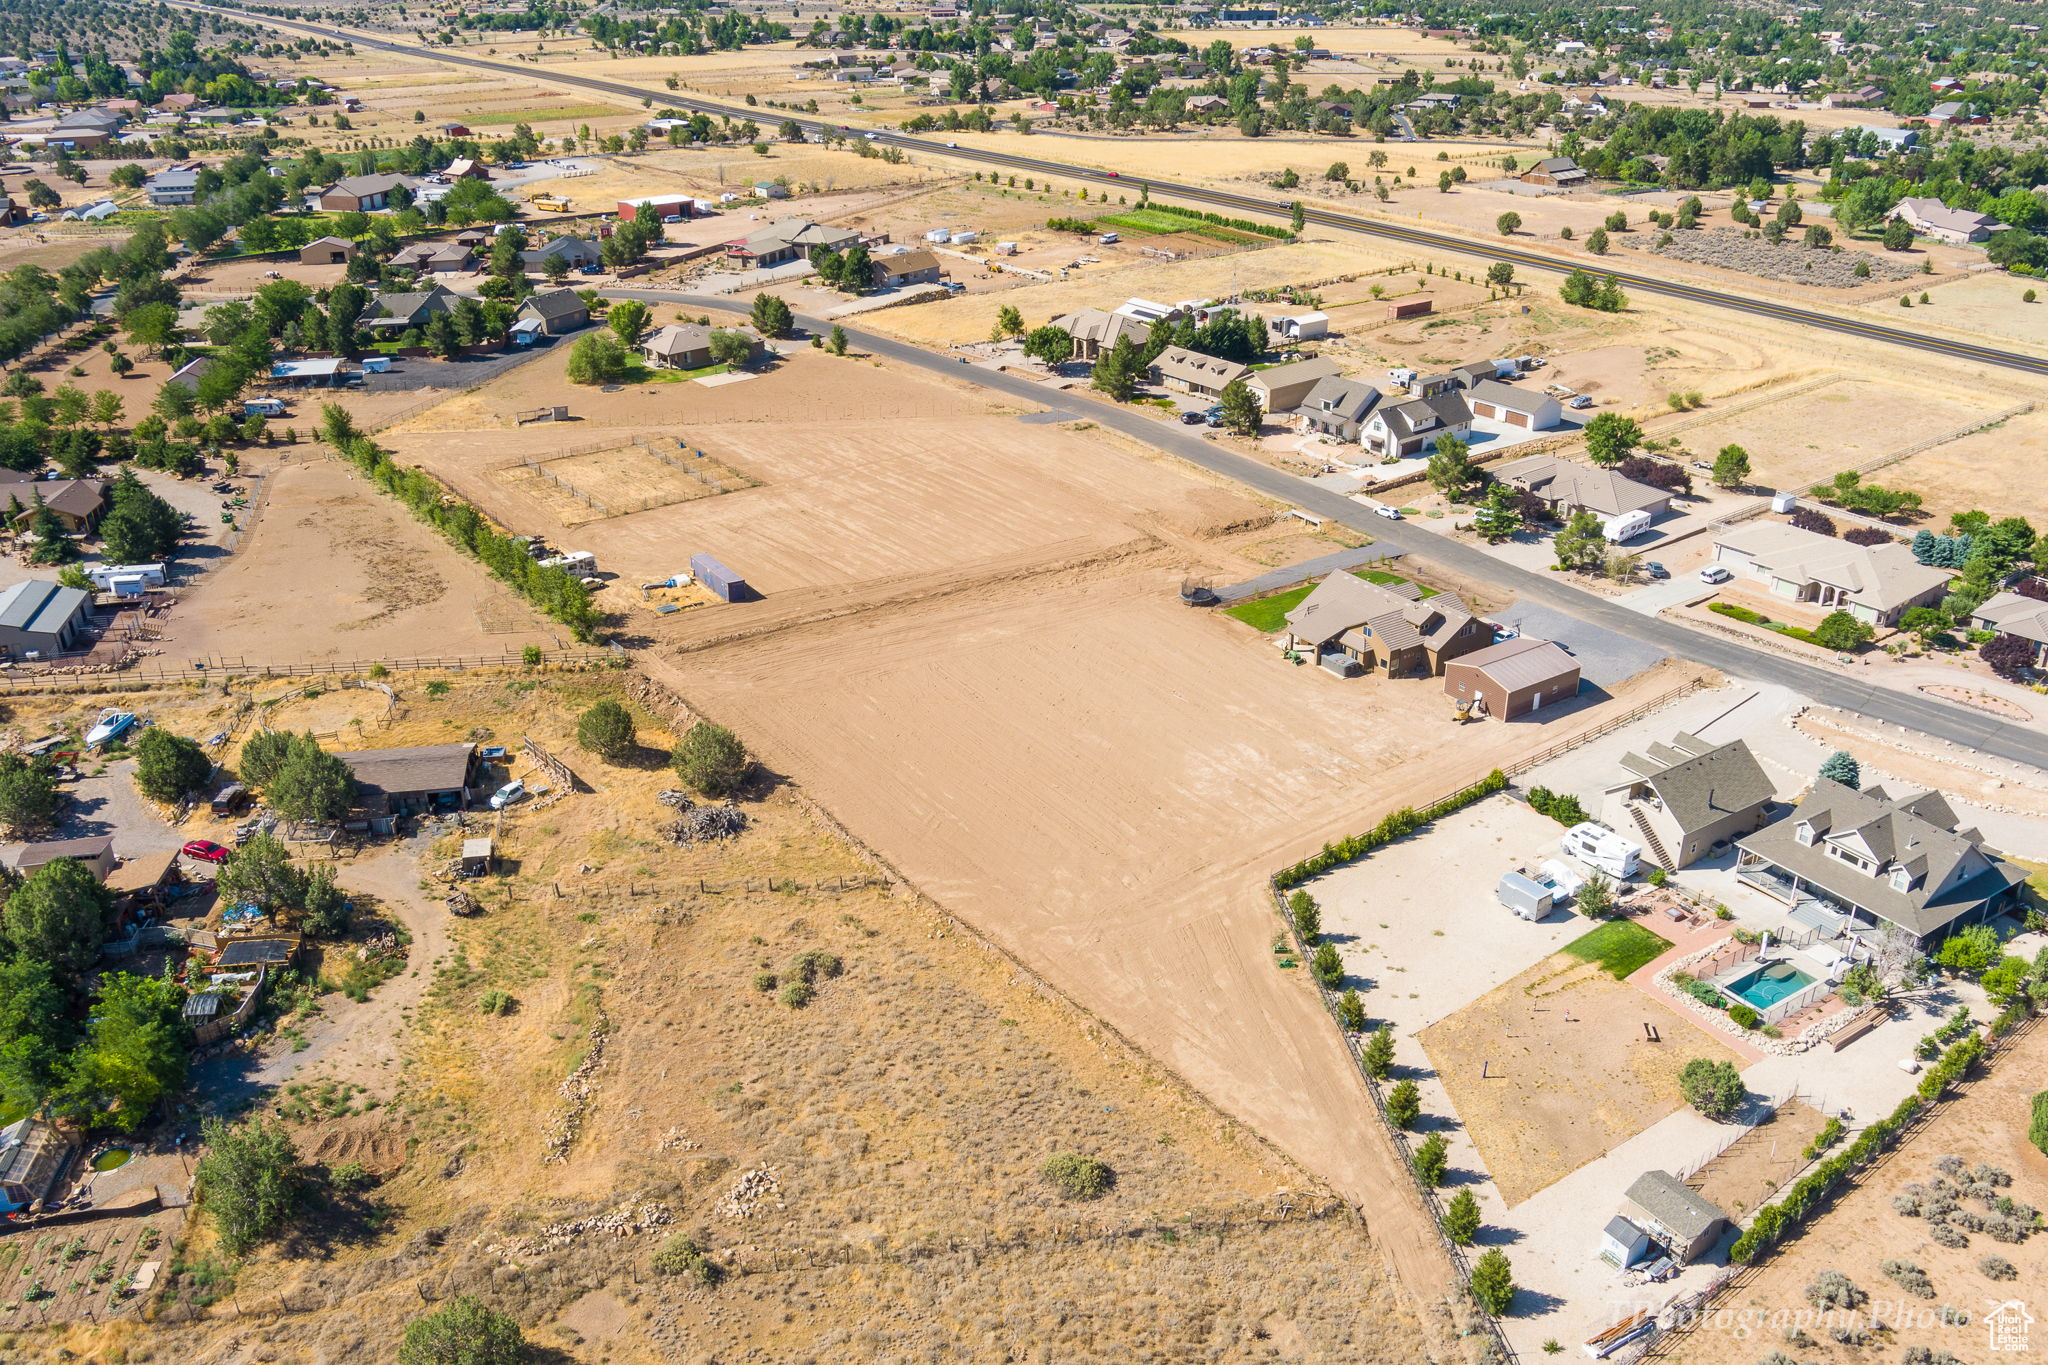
x=2007, y=1324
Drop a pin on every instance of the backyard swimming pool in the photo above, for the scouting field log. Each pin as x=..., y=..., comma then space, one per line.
x=1767, y=985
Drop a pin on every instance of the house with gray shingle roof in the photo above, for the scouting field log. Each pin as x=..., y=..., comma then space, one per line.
x=1689, y=797
x=1565, y=488
x=1204, y=376
x=1393, y=627
x=1337, y=407
x=1869, y=860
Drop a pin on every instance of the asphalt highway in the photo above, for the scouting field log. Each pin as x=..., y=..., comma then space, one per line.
x=1489, y=250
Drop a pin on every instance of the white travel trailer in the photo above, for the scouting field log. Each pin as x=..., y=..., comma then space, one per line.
x=1600, y=847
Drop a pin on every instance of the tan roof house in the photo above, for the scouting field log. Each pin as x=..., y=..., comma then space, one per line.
x=1187, y=371
x=1095, y=331
x=2011, y=613
x=1876, y=584
x=1283, y=387
x=1566, y=487
x=1512, y=679
x=1686, y=798
x=1392, y=627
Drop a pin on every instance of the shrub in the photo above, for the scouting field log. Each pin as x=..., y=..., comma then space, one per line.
x=1307, y=916
x=2037, y=1127
x=1493, y=1282
x=1351, y=1012
x=1076, y=1176
x=1563, y=808
x=607, y=730
x=1461, y=1218
x=1833, y=1289
x=1404, y=1104
x=797, y=994
x=495, y=1002
x=1947, y=1234
x=764, y=982
x=1744, y=1016
x=1840, y=631
x=1431, y=1159
x=1713, y=1088
x=1909, y=1277
x=711, y=759
x=1379, y=1055
x=1328, y=965
x=1806, y=519
x=680, y=1255
x=463, y=1331
x=1996, y=1267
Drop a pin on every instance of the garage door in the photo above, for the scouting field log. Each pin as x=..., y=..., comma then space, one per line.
x=1518, y=419
x=1484, y=410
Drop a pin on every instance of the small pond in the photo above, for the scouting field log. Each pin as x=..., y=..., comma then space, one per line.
x=113, y=1159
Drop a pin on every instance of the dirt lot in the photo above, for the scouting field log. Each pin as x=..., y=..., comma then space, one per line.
x=1569, y=1072
x=911, y=480
x=1753, y=1168
x=335, y=570
x=1988, y=1125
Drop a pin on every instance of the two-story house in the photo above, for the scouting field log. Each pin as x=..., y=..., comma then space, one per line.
x=1686, y=798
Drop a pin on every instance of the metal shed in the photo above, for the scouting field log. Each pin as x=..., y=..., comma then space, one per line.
x=476, y=857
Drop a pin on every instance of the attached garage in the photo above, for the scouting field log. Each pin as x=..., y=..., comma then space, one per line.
x=1510, y=406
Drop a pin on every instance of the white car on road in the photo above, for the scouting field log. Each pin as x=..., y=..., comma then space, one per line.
x=1380, y=509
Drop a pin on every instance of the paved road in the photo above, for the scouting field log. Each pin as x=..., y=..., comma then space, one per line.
x=1491, y=250
x=1826, y=686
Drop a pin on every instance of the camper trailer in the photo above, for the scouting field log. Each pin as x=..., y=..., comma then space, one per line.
x=1527, y=897
x=1600, y=847
x=1626, y=527
x=262, y=407
x=575, y=561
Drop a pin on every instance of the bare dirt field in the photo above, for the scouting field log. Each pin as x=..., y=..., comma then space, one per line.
x=1748, y=1172
x=1987, y=304
x=1860, y=1231
x=1569, y=1070
x=1809, y=437
x=1997, y=469
x=911, y=482
x=336, y=570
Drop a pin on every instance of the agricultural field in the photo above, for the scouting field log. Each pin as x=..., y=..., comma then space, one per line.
x=1861, y=1231
x=1555, y=1068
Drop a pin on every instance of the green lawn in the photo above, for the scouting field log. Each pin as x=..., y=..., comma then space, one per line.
x=1269, y=614
x=496, y=116
x=639, y=372
x=1620, y=946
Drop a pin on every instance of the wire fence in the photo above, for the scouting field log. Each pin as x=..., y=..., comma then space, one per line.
x=220, y=669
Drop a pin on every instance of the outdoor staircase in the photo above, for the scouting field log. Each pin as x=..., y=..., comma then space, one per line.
x=1650, y=840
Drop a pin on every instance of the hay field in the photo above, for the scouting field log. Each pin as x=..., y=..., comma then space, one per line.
x=969, y=317
x=1570, y=1073
x=705, y=172
x=1223, y=160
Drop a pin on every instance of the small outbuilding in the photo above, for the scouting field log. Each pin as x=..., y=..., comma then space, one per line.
x=96, y=853
x=42, y=618
x=477, y=855
x=1512, y=679
x=1673, y=1214
x=327, y=251
x=33, y=1154
x=420, y=778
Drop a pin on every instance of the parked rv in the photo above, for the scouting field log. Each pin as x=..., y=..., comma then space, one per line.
x=1601, y=848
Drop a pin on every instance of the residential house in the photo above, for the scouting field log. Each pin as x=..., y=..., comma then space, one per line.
x=1512, y=679
x=1876, y=584
x=1858, y=98
x=685, y=346
x=1953, y=111
x=1282, y=388
x=327, y=251
x=2011, y=613
x=1891, y=139
x=558, y=311
x=172, y=188
x=87, y=127
x=1687, y=798
x=916, y=266
x=1862, y=860
x=1672, y=1214
x=1199, y=105
x=434, y=258
x=1512, y=406
x=1337, y=407
x=11, y=213
x=1392, y=627
x=95, y=854
x=359, y=193
x=1191, y=372
x=573, y=252
x=1932, y=218
x=43, y=618
x=407, y=781
x=1557, y=172
x=1095, y=331
x=1412, y=426
x=463, y=168
x=1566, y=488
x=391, y=313
x=77, y=503
x=189, y=373
x=788, y=239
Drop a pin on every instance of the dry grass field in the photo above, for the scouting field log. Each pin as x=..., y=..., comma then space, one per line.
x=1997, y=469
x=1569, y=1070
x=867, y=1168
x=1860, y=1231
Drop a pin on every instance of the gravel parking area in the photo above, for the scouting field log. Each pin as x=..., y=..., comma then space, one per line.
x=424, y=372
x=1605, y=657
